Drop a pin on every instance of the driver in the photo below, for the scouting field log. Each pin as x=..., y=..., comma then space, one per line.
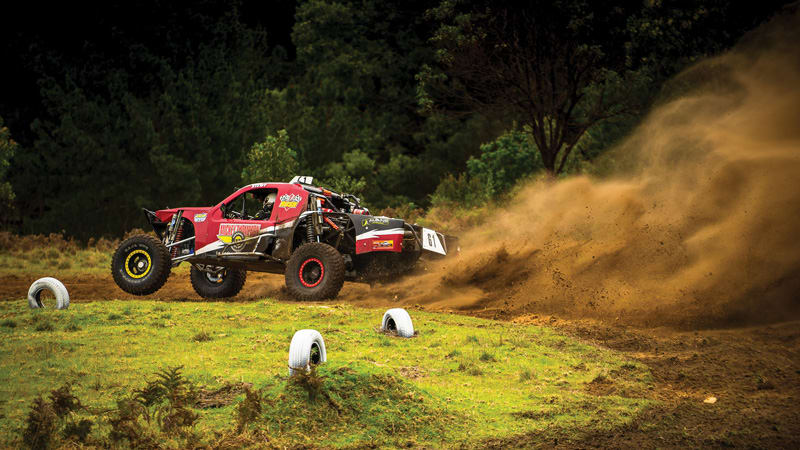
x=266, y=207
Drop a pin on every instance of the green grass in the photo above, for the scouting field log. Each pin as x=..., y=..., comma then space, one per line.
x=461, y=380
x=52, y=262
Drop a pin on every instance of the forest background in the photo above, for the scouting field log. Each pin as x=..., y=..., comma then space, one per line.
x=108, y=108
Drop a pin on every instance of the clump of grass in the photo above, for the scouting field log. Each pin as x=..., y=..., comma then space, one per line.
x=168, y=399
x=114, y=316
x=64, y=265
x=78, y=431
x=248, y=409
x=72, y=327
x=385, y=342
x=471, y=339
x=475, y=371
x=44, y=326
x=309, y=380
x=202, y=337
x=8, y=323
x=40, y=425
x=454, y=353
x=47, y=416
x=52, y=254
x=600, y=378
x=762, y=383
x=487, y=357
x=127, y=312
x=525, y=375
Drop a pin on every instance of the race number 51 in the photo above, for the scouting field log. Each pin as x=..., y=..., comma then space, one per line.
x=430, y=241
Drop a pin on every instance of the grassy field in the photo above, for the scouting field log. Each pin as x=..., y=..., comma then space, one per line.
x=460, y=381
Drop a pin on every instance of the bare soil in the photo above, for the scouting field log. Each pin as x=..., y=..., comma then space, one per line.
x=753, y=372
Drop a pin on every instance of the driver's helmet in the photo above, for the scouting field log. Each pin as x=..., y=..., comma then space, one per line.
x=269, y=200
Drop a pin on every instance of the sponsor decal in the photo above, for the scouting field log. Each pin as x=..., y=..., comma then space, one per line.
x=258, y=185
x=289, y=201
x=200, y=217
x=375, y=221
x=383, y=245
x=230, y=233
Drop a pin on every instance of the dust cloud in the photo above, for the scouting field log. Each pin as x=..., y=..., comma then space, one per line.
x=700, y=229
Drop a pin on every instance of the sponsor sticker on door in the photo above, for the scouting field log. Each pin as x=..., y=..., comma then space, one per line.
x=289, y=201
x=230, y=232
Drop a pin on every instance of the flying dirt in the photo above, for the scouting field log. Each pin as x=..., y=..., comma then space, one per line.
x=700, y=228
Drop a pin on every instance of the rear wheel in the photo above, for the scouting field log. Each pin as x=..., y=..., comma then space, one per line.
x=141, y=265
x=315, y=272
x=221, y=284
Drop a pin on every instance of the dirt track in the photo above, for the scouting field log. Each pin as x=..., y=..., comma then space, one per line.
x=753, y=372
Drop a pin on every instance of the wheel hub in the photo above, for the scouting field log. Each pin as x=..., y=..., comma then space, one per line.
x=138, y=263
x=311, y=272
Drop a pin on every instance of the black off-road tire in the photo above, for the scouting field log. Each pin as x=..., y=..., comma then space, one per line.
x=141, y=265
x=315, y=272
x=230, y=282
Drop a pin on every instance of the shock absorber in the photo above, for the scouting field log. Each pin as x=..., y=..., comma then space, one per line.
x=310, y=235
x=178, y=237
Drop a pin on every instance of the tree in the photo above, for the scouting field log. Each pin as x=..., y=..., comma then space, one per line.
x=111, y=142
x=558, y=67
x=7, y=148
x=271, y=160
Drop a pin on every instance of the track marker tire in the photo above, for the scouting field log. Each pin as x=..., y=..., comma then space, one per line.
x=307, y=349
x=397, y=320
x=48, y=284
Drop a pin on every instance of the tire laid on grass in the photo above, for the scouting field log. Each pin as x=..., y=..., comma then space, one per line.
x=307, y=349
x=315, y=272
x=141, y=265
x=48, y=284
x=397, y=320
x=226, y=283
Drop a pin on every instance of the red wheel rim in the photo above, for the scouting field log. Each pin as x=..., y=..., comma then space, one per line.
x=311, y=272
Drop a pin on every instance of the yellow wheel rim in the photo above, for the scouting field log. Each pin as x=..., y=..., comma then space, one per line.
x=130, y=257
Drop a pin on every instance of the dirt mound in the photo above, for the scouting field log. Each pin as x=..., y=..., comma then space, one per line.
x=700, y=229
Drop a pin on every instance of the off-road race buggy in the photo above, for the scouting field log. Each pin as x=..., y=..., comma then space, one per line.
x=315, y=237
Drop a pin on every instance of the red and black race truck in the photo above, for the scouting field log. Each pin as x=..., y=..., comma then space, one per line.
x=316, y=237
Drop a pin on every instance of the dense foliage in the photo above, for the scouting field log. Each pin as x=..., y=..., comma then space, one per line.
x=149, y=104
x=7, y=147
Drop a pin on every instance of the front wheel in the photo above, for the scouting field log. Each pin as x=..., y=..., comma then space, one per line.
x=141, y=265
x=222, y=284
x=315, y=272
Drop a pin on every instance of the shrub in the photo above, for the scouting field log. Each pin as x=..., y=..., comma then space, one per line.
x=271, y=160
x=504, y=161
x=464, y=191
